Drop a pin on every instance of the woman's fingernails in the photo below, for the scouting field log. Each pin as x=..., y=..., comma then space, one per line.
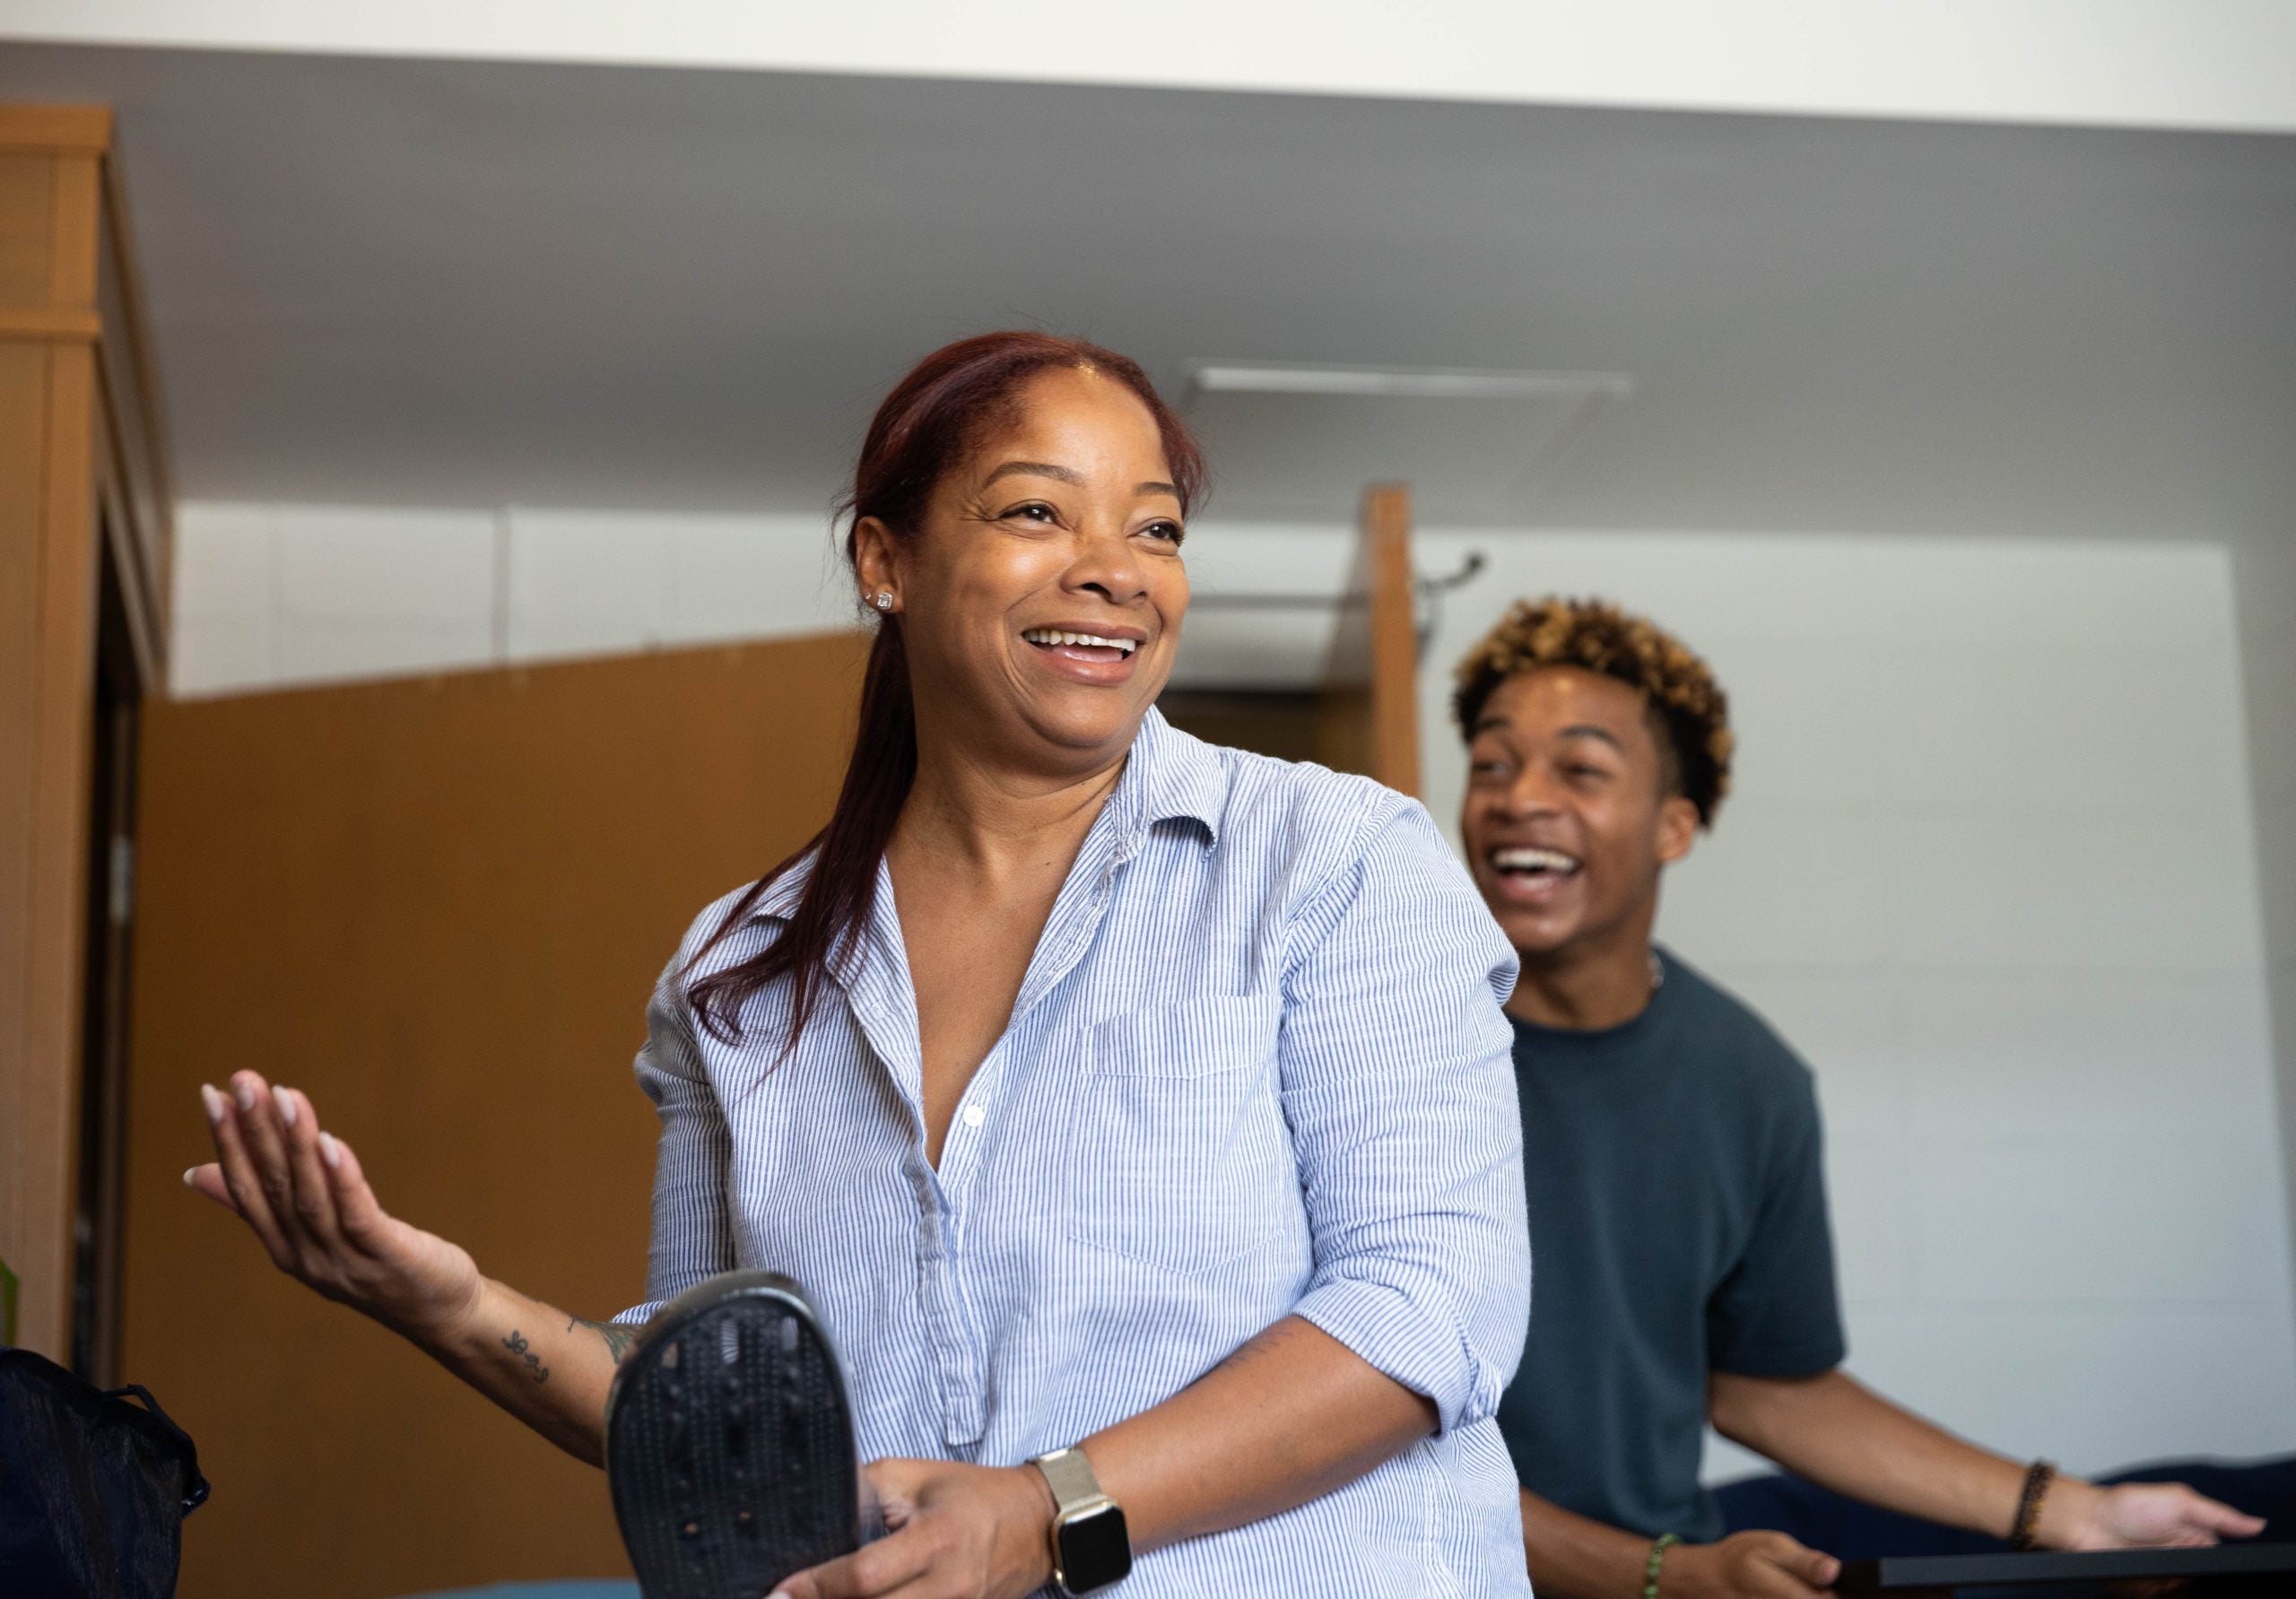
x=244, y=1095
x=330, y=1151
x=189, y=1172
x=213, y=1101
x=285, y=1097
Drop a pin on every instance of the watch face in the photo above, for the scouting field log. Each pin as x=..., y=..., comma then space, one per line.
x=1095, y=1550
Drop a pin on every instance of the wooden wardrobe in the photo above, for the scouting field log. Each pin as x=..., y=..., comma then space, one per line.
x=84, y=538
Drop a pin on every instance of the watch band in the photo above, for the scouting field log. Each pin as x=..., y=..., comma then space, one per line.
x=1091, y=1547
x=1070, y=1477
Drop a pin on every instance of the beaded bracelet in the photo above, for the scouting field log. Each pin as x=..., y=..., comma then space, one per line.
x=1666, y=1541
x=2038, y=1476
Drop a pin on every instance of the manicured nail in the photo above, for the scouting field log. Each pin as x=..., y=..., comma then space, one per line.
x=244, y=1095
x=190, y=1172
x=213, y=1101
x=330, y=1151
x=285, y=1097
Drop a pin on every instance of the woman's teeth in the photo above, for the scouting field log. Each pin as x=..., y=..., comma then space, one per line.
x=1535, y=861
x=1051, y=637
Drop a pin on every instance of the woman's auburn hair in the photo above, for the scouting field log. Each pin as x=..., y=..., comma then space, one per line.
x=932, y=418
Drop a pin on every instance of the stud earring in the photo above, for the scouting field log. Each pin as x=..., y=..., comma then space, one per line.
x=882, y=599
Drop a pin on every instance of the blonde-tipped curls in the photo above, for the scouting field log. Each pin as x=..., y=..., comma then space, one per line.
x=1599, y=637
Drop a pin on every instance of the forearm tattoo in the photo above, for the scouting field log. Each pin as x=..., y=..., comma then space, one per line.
x=1258, y=1347
x=618, y=1339
x=517, y=1344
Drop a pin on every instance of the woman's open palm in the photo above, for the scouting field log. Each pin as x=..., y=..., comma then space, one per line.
x=302, y=1193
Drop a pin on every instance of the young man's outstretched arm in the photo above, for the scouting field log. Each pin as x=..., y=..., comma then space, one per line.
x=1841, y=1435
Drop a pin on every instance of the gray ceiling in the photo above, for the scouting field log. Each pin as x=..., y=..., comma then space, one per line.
x=473, y=282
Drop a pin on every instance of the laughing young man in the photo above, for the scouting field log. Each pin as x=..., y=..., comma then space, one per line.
x=1677, y=1203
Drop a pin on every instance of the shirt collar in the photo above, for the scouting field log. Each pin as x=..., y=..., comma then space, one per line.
x=1171, y=776
x=779, y=899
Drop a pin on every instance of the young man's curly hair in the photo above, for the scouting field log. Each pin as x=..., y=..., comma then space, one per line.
x=1685, y=699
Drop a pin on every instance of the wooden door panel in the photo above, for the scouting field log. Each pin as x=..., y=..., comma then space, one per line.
x=438, y=907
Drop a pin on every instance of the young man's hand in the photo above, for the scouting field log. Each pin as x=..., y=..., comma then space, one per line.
x=1746, y=1566
x=2137, y=1516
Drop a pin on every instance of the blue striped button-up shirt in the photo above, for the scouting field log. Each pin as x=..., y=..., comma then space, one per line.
x=1257, y=1068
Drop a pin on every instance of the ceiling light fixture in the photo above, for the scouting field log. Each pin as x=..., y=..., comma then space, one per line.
x=1429, y=383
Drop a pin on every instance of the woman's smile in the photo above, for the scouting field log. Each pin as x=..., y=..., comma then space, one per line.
x=1102, y=655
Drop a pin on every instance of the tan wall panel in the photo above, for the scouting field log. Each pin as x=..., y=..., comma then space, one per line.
x=63, y=696
x=27, y=228
x=47, y=587
x=1369, y=721
x=438, y=907
x=1269, y=722
x=23, y=419
x=1394, y=642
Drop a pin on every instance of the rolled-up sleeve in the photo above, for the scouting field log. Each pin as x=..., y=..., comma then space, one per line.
x=1399, y=1087
x=692, y=1234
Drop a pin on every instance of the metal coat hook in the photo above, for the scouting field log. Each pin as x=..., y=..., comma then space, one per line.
x=1432, y=590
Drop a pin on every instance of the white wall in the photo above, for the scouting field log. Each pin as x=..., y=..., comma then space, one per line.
x=1989, y=865
x=2265, y=564
x=2177, y=63
x=271, y=595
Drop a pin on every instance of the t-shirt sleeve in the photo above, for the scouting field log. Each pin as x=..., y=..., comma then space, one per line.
x=1778, y=1313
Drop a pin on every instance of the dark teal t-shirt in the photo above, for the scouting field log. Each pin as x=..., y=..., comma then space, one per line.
x=1678, y=1227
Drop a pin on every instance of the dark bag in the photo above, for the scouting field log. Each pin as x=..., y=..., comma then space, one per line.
x=93, y=1490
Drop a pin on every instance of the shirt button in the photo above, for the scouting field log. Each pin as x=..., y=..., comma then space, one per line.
x=975, y=1116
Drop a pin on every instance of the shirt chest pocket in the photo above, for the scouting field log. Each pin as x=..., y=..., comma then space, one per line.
x=1178, y=1155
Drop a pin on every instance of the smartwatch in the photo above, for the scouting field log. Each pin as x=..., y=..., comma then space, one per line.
x=1091, y=1546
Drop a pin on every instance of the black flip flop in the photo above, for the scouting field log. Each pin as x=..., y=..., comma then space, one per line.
x=729, y=1442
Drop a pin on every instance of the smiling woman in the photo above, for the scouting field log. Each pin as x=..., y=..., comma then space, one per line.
x=1095, y=411
x=1136, y=1114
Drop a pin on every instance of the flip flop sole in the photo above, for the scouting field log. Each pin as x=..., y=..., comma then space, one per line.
x=729, y=1442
